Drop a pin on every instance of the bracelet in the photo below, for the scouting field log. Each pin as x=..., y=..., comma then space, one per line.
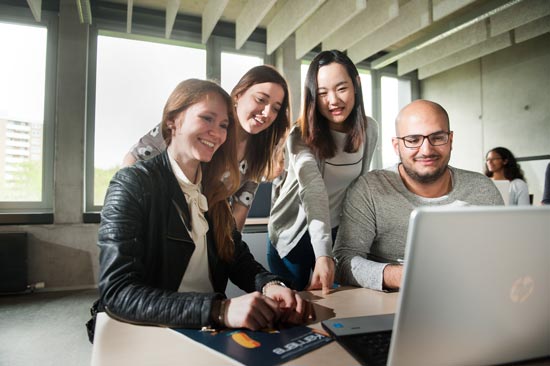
x=221, y=314
x=271, y=283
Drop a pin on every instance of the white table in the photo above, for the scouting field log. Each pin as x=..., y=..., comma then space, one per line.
x=118, y=343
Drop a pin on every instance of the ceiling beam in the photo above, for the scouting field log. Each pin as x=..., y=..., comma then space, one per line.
x=446, y=29
x=172, y=7
x=377, y=13
x=129, y=12
x=36, y=9
x=472, y=53
x=413, y=16
x=249, y=18
x=211, y=14
x=533, y=29
x=287, y=20
x=442, y=8
x=458, y=41
x=518, y=15
x=316, y=28
x=84, y=11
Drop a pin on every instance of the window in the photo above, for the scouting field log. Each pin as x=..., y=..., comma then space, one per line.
x=131, y=77
x=366, y=88
x=303, y=73
x=396, y=93
x=234, y=66
x=133, y=81
x=26, y=117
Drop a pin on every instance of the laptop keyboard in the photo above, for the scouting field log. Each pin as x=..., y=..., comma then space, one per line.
x=370, y=349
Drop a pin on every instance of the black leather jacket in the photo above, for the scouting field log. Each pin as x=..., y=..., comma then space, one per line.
x=145, y=249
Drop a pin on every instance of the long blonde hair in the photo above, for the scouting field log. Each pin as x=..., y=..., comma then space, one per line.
x=220, y=176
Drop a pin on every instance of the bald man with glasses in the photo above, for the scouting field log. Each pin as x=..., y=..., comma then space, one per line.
x=371, y=239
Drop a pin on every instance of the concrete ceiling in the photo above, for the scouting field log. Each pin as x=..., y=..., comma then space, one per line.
x=425, y=35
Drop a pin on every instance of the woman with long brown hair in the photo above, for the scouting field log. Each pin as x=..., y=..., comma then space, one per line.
x=168, y=244
x=332, y=144
x=262, y=108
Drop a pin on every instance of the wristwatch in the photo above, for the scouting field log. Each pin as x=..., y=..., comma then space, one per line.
x=271, y=283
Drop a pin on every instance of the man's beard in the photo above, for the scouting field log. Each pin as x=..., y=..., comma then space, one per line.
x=425, y=178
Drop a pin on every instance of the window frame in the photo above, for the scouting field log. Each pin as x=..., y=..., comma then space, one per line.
x=187, y=31
x=38, y=212
x=95, y=32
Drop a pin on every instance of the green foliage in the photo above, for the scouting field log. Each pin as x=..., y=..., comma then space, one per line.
x=102, y=177
x=26, y=184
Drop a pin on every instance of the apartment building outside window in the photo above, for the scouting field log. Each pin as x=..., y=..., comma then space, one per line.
x=26, y=115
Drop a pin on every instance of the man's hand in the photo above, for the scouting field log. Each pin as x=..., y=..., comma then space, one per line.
x=392, y=276
x=323, y=275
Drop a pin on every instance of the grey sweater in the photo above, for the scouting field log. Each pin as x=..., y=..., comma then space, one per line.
x=303, y=202
x=375, y=218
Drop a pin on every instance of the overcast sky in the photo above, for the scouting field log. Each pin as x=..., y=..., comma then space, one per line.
x=134, y=79
x=22, y=66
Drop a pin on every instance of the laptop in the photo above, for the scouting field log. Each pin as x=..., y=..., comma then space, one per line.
x=475, y=291
x=503, y=187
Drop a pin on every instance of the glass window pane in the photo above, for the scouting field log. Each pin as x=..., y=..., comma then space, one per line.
x=22, y=75
x=234, y=66
x=303, y=74
x=366, y=87
x=396, y=93
x=134, y=79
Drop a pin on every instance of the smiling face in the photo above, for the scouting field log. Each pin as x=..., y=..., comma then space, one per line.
x=335, y=94
x=427, y=163
x=198, y=132
x=259, y=106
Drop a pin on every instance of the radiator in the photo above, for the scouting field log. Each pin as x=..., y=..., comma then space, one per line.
x=13, y=262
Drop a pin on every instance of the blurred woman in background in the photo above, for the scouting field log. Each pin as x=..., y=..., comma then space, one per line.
x=501, y=164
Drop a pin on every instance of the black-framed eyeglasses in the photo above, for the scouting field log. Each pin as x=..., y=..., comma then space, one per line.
x=435, y=139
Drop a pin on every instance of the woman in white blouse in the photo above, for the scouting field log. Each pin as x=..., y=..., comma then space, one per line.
x=501, y=164
x=168, y=242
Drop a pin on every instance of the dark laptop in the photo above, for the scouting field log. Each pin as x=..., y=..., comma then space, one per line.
x=476, y=291
x=367, y=338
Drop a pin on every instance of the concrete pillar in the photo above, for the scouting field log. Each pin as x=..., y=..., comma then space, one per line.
x=72, y=55
x=289, y=66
